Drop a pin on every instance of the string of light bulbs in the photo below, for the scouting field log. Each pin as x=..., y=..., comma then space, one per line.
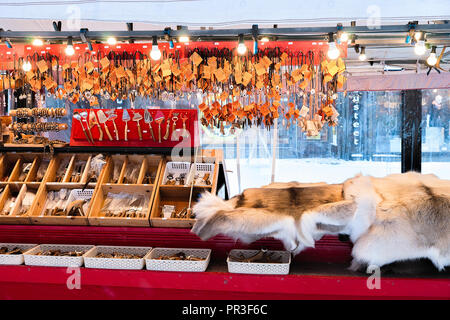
x=182, y=34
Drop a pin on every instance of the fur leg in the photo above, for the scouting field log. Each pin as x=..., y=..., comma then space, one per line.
x=289, y=237
x=335, y=215
x=356, y=265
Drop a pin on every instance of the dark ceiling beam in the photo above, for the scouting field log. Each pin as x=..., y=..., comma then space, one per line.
x=319, y=32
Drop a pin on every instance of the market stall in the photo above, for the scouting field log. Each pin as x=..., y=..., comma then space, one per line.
x=104, y=165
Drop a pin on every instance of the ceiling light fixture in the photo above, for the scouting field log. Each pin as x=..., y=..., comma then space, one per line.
x=70, y=51
x=432, y=60
x=333, y=52
x=183, y=39
x=111, y=41
x=419, y=47
x=155, y=54
x=37, y=42
x=241, y=48
x=362, y=55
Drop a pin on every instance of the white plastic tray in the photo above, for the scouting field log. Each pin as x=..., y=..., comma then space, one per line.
x=201, y=169
x=259, y=268
x=80, y=194
x=90, y=261
x=32, y=259
x=176, y=168
x=15, y=259
x=178, y=265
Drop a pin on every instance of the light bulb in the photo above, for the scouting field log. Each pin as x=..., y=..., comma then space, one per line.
x=344, y=37
x=362, y=55
x=183, y=39
x=111, y=41
x=155, y=54
x=70, y=51
x=419, y=47
x=38, y=42
x=432, y=60
x=26, y=66
x=265, y=39
x=418, y=35
x=333, y=52
x=241, y=49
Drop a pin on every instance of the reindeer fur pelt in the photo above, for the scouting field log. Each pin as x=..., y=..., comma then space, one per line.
x=395, y=218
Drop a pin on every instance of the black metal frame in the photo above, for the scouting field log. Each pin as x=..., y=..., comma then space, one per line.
x=411, y=132
x=437, y=34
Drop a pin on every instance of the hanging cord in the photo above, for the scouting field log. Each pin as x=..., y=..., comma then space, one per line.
x=189, y=210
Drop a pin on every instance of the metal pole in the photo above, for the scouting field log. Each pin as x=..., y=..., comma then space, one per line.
x=238, y=163
x=274, y=150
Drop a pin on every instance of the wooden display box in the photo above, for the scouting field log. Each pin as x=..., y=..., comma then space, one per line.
x=119, y=167
x=179, y=197
x=18, y=192
x=65, y=166
x=38, y=217
x=97, y=218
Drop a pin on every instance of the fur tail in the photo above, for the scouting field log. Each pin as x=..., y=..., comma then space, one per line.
x=204, y=210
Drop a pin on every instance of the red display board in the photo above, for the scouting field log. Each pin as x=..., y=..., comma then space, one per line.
x=9, y=56
x=174, y=120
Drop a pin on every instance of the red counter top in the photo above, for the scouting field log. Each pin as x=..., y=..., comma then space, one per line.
x=318, y=273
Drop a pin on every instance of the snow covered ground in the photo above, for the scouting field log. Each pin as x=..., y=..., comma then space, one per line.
x=257, y=172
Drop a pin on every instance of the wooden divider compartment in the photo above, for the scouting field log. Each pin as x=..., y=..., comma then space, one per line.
x=6, y=166
x=37, y=216
x=132, y=169
x=145, y=165
x=114, y=161
x=39, y=169
x=79, y=167
x=12, y=165
x=151, y=167
x=59, y=168
x=70, y=171
x=179, y=196
x=18, y=192
x=96, y=218
x=26, y=160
